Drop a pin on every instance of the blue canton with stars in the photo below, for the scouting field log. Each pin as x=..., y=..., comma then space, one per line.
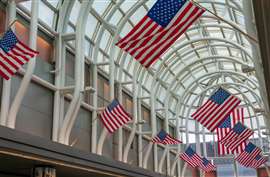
x=250, y=147
x=162, y=135
x=220, y=96
x=8, y=41
x=226, y=123
x=205, y=161
x=239, y=128
x=258, y=157
x=114, y=104
x=189, y=151
x=163, y=11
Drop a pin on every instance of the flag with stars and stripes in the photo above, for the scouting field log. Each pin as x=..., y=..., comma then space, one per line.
x=191, y=157
x=236, y=136
x=114, y=116
x=237, y=115
x=13, y=54
x=164, y=138
x=258, y=161
x=159, y=29
x=206, y=165
x=216, y=109
x=247, y=157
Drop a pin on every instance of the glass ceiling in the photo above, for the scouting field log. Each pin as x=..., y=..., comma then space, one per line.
x=210, y=54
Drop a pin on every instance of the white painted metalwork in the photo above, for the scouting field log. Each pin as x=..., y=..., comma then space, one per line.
x=210, y=51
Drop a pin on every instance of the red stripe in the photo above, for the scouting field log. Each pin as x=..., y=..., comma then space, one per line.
x=162, y=34
x=20, y=55
x=156, y=57
x=144, y=42
x=219, y=111
x=213, y=114
x=224, y=114
x=7, y=68
x=15, y=58
x=202, y=108
x=105, y=122
x=9, y=62
x=107, y=118
x=24, y=52
x=136, y=27
x=111, y=119
x=147, y=30
x=204, y=114
x=3, y=74
x=26, y=47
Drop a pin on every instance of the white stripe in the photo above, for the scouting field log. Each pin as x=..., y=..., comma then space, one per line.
x=228, y=109
x=165, y=41
x=202, y=108
x=8, y=65
x=10, y=59
x=113, y=118
x=19, y=58
x=5, y=71
x=135, y=33
x=24, y=49
x=109, y=120
x=134, y=48
x=156, y=35
x=215, y=116
x=140, y=36
x=206, y=111
x=104, y=118
x=171, y=29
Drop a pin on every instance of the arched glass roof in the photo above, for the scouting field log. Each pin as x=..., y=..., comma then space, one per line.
x=210, y=54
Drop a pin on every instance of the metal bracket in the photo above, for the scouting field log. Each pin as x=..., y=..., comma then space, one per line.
x=126, y=83
x=69, y=36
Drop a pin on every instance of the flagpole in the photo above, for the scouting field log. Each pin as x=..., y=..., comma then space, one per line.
x=226, y=21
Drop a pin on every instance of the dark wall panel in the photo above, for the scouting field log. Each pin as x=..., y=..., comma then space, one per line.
x=80, y=136
x=160, y=153
x=35, y=113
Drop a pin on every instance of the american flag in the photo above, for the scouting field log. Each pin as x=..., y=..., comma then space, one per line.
x=159, y=29
x=191, y=157
x=237, y=115
x=248, y=155
x=258, y=161
x=13, y=54
x=114, y=116
x=216, y=109
x=164, y=138
x=236, y=136
x=207, y=166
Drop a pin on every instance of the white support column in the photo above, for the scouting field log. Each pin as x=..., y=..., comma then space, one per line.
x=120, y=130
x=74, y=106
x=235, y=168
x=14, y=108
x=154, y=130
x=140, y=139
x=95, y=104
x=60, y=59
x=5, y=102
